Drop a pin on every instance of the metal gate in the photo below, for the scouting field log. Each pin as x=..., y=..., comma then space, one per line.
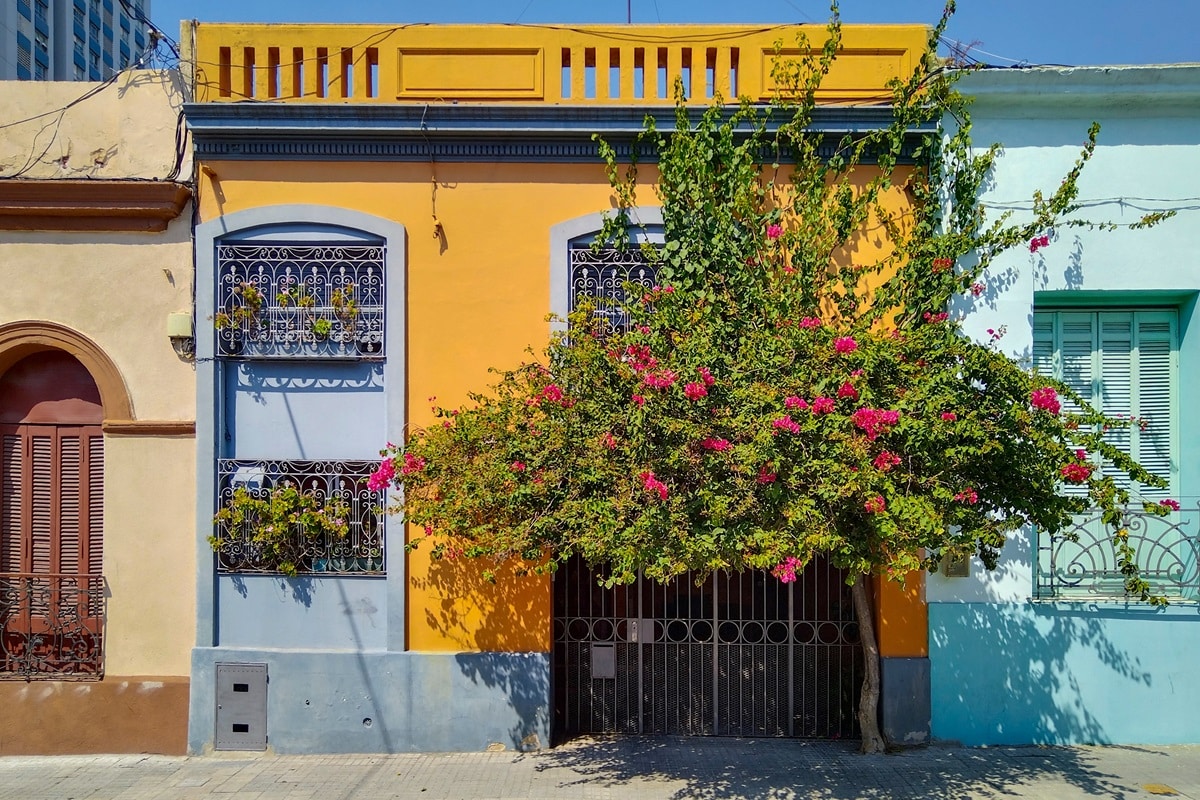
x=738, y=655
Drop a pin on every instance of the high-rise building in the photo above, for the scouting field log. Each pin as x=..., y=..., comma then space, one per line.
x=71, y=40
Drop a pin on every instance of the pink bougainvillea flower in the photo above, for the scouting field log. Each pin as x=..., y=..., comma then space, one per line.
x=874, y=421
x=977, y=289
x=694, y=391
x=845, y=344
x=942, y=264
x=786, y=423
x=638, y=400
x=967, y=496
x=785, y=571
x=643, y=329
x=653, y=485
x=847, y=390
x=609, y=441
x=1171, y=504
x=886, y=460
x=810, y=322
x=1045, y=399
x=412, y=464
x=382, y=477
x=822, y=405
x=713, y=443
x=1081, y=455
x=1076, y=472
x=706, y=376
x=858, y=373
x=949, y=416
x=517, y=466
x=639, y=357
x=660, y=380
x=774, y=231
x=793, y=402
x=1038, y=242
x=875, y=505
x=933, y=319
x=553, y=393
x=765, y=475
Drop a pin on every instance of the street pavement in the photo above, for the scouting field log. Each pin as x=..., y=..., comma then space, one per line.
x=629, y=768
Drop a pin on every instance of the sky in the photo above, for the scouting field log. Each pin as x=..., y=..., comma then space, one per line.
x=1003, y=32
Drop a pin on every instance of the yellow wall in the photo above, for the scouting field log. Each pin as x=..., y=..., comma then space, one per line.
x=476, y=299
x=506, y=63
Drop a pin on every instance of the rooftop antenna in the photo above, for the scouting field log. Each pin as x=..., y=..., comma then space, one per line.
x=628, y=12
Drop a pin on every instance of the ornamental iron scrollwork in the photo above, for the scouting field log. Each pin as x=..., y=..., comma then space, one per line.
x=600, y=277
x=1080, y=562
x=300, y=300
x=359, y=552
x=52, y=626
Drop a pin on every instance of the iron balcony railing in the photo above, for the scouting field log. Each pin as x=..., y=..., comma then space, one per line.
x=306, y=300
x=52, y=626
x=359, y=552
x=1080, y=562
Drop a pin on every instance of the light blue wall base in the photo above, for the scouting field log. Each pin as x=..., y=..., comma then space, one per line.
x=310, y=612
x=319, y=701
x=1023, y=673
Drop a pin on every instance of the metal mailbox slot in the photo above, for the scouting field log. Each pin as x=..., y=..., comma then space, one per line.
x=241, y=707
x=604, y=661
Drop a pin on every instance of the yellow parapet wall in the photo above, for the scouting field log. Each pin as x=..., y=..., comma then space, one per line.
x=556, y=64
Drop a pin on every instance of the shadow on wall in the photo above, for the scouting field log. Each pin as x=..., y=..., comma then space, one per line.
x=509, y=620
x=1017, y=673
x=767, y=768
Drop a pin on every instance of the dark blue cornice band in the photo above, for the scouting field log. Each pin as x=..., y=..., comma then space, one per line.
x=450, y=132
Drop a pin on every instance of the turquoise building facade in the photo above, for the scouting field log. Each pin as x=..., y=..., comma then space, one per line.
x=1045, y=649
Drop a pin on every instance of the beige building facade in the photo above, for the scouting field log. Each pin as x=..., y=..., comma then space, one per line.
x=97, y=417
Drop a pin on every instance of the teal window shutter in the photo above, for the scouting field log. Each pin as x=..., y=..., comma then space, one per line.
x=1124, y=363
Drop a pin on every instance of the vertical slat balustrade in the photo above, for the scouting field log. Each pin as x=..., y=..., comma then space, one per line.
x=361, y=63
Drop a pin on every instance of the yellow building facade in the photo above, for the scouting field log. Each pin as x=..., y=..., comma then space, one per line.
x=452, y=169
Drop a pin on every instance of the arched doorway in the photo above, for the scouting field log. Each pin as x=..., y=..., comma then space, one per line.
x=51, y=518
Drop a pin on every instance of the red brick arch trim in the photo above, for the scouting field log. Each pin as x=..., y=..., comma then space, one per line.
x=26, y=337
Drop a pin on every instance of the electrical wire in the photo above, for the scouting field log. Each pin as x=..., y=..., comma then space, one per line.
x=523, y=10
x=800, y=11
x=59, y=115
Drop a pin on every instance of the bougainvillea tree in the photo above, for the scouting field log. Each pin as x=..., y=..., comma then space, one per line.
x=786, y=391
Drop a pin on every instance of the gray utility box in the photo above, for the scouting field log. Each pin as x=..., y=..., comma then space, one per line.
x=241, y=707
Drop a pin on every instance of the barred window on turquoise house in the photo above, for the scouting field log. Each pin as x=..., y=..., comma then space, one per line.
x=1125, y=364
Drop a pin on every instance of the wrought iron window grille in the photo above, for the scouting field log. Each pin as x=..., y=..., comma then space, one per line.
x=300, y=300
x=51, y=627
x=1079, y=563
x=359, y=552
x=600, y=277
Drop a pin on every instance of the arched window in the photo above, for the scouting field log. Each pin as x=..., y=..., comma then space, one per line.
x=51, y=517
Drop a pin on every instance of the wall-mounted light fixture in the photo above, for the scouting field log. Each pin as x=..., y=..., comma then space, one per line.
x=181, y=333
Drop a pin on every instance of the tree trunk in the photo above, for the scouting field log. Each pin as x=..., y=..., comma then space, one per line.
x=868, y=704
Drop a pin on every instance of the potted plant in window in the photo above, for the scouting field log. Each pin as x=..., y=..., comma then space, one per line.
x=242, y=315
x=279, y=525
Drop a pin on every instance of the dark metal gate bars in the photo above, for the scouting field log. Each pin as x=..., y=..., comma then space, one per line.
x=738, y=655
